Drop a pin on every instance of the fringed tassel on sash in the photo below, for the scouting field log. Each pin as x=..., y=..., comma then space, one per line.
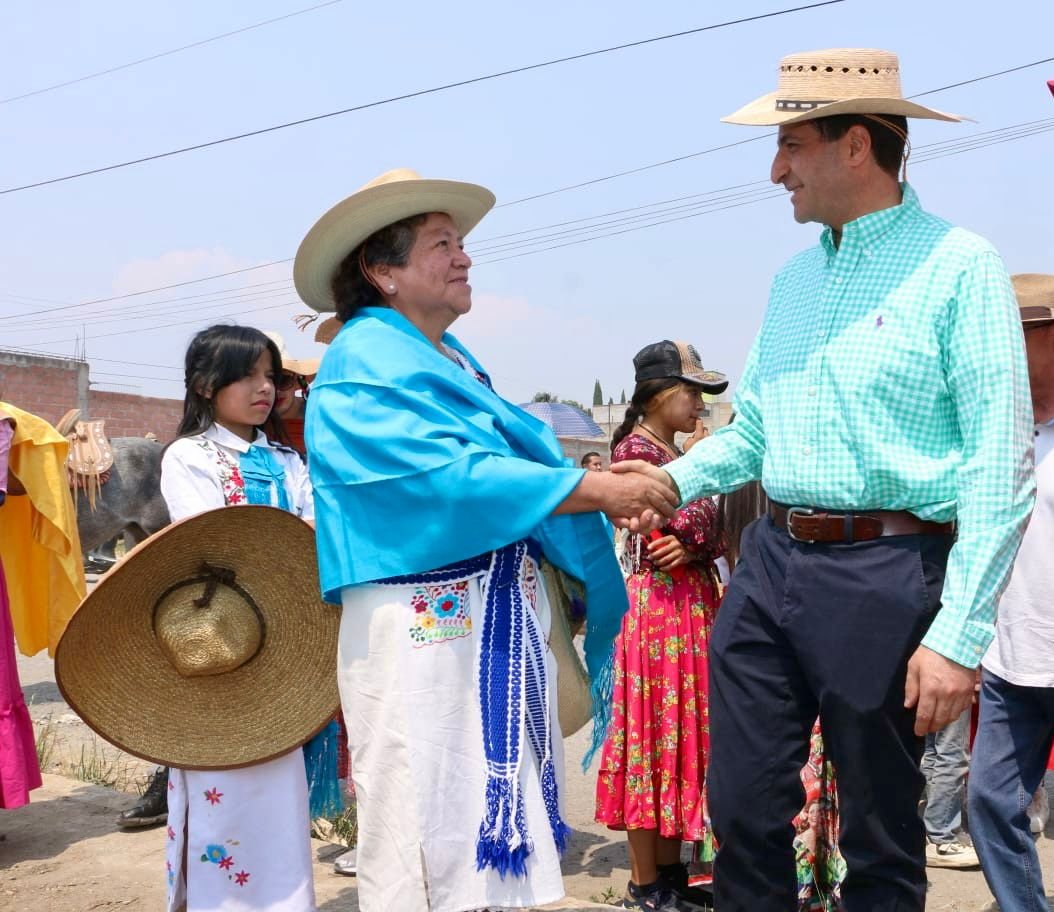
x=514, y=694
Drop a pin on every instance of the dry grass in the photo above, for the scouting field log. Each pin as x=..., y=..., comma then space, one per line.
x=46, y=737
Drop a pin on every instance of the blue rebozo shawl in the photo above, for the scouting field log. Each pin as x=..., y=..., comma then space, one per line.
x=415, y=464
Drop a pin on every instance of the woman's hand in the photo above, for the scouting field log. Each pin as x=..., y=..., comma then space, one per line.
x=631, y=500
x=667, y=552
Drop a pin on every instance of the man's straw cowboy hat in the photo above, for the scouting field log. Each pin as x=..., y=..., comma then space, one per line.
x=816, y=84
x=200, y=650
x=393, y=196
x=1035, y=298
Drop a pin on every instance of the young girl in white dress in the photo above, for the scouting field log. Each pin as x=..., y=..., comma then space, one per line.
x=237, y=839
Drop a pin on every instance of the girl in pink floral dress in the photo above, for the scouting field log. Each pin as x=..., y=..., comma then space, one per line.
x=654, y=759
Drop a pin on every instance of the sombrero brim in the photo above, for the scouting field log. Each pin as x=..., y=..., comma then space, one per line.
x=354, y=219
x=114, y=675
x=306, y=367
x=762, y=111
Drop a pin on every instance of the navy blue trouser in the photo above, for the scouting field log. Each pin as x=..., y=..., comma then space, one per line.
x=827, y=629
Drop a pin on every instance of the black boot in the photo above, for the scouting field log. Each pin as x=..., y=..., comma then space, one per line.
x=674, y=877
x=152, y=808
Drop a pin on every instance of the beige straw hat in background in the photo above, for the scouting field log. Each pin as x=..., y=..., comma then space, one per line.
x=393, y=196
x=200, y=650
x=306, y=367
x=1035, y=297
x=836, y=81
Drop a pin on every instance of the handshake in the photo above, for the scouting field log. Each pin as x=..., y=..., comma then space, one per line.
x=634, y=495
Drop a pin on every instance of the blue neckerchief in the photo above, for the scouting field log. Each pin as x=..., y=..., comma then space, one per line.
x=391, y=421
x=263, y=474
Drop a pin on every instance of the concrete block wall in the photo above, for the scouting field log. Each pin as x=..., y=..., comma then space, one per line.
x=48, y=387
x=128, y=415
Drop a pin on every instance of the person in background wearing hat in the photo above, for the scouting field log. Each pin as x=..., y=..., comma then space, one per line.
x=654, y=759
x=1016, y=728
x=291, y=391
x=885, y=408
x=436, y=501
x=258, y=815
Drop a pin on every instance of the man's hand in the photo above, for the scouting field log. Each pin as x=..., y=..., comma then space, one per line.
x=649, y=519
x=632, y=500
x=940, y=689
x=637, y=498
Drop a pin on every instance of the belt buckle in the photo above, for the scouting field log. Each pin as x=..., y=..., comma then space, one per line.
x=799, y=511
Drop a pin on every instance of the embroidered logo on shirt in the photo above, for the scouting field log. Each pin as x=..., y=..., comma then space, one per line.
x=440, y=613
x=878, y=322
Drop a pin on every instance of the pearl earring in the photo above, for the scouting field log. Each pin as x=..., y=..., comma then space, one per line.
x=391, y=288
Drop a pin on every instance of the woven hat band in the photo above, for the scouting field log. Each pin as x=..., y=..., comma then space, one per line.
x=791, y=104
x=208, y=625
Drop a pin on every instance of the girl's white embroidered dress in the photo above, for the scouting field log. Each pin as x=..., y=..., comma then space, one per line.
x=244, y=834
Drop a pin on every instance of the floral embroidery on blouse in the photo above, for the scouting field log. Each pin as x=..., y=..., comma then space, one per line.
x=440, y=613
x=231, y=480
x=694, y=525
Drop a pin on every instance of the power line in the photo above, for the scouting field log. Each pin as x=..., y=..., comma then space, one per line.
x=534, y=196
x=185, y=47
x=585, y=237
x=135, y=294
x=417, y=94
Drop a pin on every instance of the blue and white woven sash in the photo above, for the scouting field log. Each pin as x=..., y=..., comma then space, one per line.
x=514, y=691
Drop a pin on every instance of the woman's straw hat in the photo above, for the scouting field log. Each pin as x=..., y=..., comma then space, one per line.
x=393, y=196
x=306, y=367
x=202, y=650
x=816, y=84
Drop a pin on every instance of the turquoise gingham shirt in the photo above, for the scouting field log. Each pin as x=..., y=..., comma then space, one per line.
x=890, y=374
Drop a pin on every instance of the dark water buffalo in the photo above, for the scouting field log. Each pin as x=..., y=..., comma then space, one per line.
x=130, y=502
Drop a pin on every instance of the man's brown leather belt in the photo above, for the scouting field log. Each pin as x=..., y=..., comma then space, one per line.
x=806, y=524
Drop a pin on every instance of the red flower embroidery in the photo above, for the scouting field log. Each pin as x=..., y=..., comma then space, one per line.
x=214, y=796
x=241, y=878
x=226, y=863
x=171, y=833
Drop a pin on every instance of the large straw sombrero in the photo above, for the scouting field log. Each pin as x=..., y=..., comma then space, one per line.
x=393, y=196
x=1035, y=297
x=816, y=84
x=199, y=650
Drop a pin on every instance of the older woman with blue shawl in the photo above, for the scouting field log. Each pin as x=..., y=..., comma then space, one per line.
x=436, y=503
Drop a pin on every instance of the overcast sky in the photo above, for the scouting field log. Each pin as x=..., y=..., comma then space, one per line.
x=556, y=319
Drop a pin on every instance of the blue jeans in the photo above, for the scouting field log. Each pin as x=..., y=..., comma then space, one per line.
x=945, y=764
x=1009, y=758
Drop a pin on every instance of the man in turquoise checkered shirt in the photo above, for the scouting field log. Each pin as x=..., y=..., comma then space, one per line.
x=885, y=408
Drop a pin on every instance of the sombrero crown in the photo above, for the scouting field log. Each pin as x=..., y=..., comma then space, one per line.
x=816, y=84
x=393, y=196
x=198, y=651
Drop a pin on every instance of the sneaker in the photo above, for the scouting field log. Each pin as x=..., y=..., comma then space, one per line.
x=651, y=897
x=951, y=855
x=152, y=808
x=1039, y=811
x=347, y=864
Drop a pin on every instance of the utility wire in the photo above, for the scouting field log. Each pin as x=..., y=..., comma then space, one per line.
x=416, y=94
x=934, y=151
x=185, y=47
x=526, y=198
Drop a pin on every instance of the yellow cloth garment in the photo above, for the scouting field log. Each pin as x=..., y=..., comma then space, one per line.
x=39, y=544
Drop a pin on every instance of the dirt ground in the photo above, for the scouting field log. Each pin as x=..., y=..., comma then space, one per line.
x=62, y=853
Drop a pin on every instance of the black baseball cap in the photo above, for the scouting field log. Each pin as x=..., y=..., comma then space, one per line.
x=677, y=360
